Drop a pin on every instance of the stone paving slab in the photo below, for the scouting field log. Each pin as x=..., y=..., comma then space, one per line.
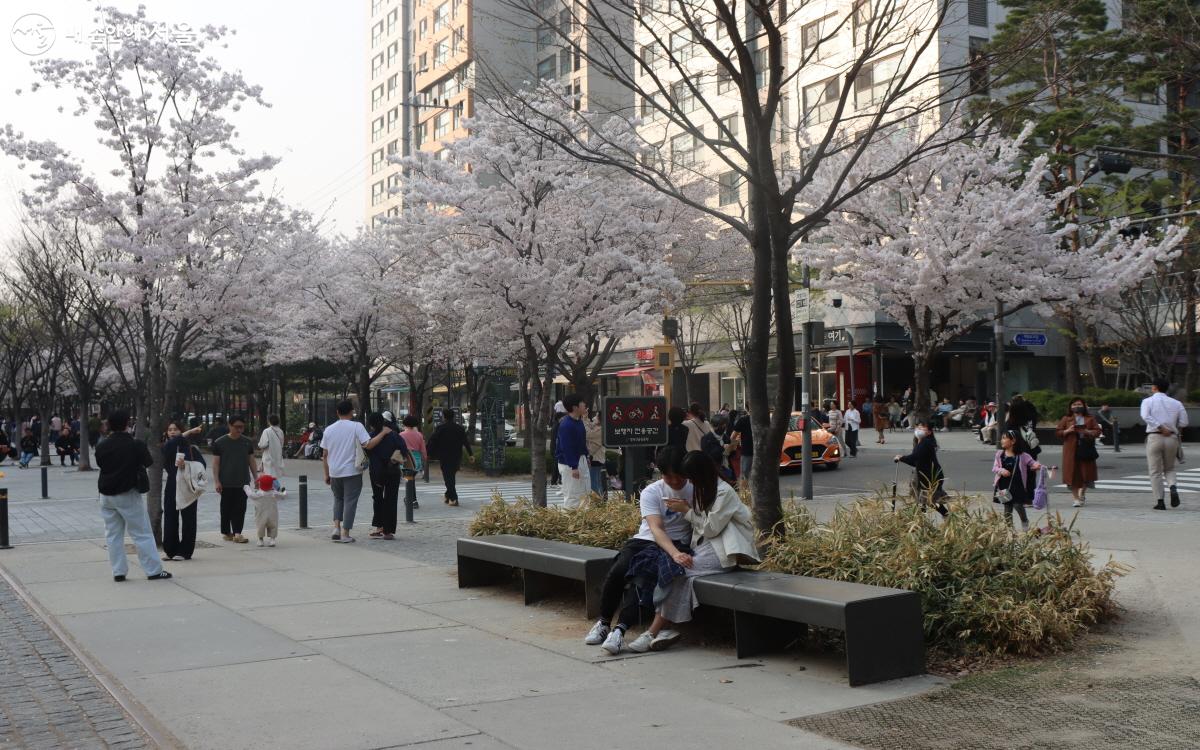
x=48, y=699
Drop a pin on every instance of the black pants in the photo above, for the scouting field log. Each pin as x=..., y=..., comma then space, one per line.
x=233, y=510
x=1018, y=506
x=173, y=542
x=386, y=498
x=614, y=595
x=449, y=472
x=852, y=442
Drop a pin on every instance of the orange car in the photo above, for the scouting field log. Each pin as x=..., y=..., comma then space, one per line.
x=826, y=448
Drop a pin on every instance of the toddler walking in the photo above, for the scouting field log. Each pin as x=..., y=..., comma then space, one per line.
x=266, y=495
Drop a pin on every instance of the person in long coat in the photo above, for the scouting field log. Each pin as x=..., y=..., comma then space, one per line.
x=179, y=543
x=1078, y=431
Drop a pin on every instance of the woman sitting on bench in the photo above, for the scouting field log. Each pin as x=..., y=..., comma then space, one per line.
x=722, y=534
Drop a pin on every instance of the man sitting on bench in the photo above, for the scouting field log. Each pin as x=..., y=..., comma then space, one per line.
x=661, y=526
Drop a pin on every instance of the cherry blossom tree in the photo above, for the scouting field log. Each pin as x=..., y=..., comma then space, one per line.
x=178, y=210
x=936, y=245
x=540, y=249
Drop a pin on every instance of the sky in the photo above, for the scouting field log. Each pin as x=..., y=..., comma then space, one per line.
x=308, y=55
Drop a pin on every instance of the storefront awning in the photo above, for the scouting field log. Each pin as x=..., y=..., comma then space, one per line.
x=633, y=372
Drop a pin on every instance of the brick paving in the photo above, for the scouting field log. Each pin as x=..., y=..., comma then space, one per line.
x=47, y=698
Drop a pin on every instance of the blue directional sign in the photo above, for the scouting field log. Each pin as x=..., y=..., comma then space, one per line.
x=1030, y=339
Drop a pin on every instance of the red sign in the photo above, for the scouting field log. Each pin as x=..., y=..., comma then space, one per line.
x=644, y=355
x=635, y=420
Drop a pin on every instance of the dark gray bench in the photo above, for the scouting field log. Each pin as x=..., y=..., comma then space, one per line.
x=485, y=560
x=885, y=637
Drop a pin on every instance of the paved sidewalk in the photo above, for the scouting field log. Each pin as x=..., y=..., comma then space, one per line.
x=48, y=699
x=320, y=645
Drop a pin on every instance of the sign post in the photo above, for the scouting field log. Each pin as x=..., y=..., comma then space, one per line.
x=633, y=424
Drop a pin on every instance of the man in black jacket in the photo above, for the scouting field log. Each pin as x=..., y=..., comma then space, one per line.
x=123, y=461
x=446, y=444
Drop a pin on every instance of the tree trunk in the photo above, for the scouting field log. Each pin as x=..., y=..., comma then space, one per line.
x=921, y=361
x=1095, y=360
x=1189, y=330
x=539, y=395
x=1071, y=354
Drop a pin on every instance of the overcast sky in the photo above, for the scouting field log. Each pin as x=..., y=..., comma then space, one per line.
x=308, y=55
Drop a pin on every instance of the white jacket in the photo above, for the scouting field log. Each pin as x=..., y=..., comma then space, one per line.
x=271, y=441
x=727, y=526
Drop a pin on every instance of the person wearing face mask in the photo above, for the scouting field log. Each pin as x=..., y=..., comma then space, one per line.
x=1078, y=431
x=930, y=478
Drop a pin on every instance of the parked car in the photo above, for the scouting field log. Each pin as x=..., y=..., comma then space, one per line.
x=826, y=448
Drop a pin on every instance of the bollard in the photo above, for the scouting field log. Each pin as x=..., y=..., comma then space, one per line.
x=304, y=501
x=410, y=497
x=45, y=482
x=4, y=519
x=1116, y=435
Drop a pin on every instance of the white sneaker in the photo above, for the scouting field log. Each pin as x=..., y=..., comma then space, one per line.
x=260, y=541
x=597, y=634
x=641, y=644
x=664, y=640
x=270, y=541
x=1077, y=504
x=613, y=643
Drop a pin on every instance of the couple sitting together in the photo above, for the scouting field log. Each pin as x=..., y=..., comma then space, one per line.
x=693, y=524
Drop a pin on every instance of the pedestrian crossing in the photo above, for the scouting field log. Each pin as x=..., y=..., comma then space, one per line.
x=1188, y=481
x=479, y=493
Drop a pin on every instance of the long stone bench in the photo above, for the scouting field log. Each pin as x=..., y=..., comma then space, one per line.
x=884, y=630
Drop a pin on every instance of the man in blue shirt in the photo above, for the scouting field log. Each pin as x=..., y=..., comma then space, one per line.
x=571, y=453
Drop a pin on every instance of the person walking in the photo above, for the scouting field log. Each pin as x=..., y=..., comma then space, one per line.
x=697, y=426
x=233, y=469
x=882, y=420
x=415, y=441
x=571, y=451
x=271, y=442
x=123, y=461
x=447, y=444
x=1078, y=431
x=385, y=474
x=930, y=477
x=179, y=447
x=853, y=422
x=1011, y=472
x=344, y=444
x=1165, y=419
x=677, y=431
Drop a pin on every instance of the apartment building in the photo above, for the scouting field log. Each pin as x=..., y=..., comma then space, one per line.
x=432, y=62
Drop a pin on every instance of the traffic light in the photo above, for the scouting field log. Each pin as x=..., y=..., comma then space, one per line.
x=670, y=328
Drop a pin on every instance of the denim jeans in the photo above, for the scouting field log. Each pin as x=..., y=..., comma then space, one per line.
x=26, y=458
x=597, y=473
x=127, y=512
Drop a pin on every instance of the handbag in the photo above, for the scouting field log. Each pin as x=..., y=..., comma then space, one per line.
x=1041, y=494
x=1085, y=449
x=1005, y=495
x=361, y=462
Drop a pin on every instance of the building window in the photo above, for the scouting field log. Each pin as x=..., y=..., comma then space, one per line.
x=377, y=193
x=578, y=59
x=441, y=53
x=376, y=128
x=421, y=134
x=393, y=118
x=423, y=62
x=683, y=48
x=730, y=188
x=377, y=160
x=1141, y=93
x=393, y=184
x=376, y=33
x=422, y=28
x=820, y=101
x=649, y=111
x=683, y=97
x=392, y=51
x=977, y=58
x=545, y=69
x=456, y=40
x=977, y=12
x=545, y=37
x=375, y=6
x=650, y=56
x=861, y=20
x=729, y=126
x=441, y=125
x=811, y=36
x=376, y=96
x=376, y=65
x=762, y=63
x=393, y=85
x=441, y=17
x=872, y=83
x=683, y=150
x=393, y=148
x=577, y=95
x=391, y=21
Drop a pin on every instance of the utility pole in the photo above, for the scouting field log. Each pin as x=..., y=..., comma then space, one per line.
x=806, y=488
x=998, y=327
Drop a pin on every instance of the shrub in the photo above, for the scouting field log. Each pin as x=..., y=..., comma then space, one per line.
x=595, y=524
x=983, y=587
x=1052, y=405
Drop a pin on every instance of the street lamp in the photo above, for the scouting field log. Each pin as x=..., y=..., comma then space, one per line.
x=806, y=487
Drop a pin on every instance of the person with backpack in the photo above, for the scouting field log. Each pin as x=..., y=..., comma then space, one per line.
x=1011, y=470
x=415, y=441
x=697, y=426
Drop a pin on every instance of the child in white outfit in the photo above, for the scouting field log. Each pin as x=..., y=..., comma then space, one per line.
x=266, y=496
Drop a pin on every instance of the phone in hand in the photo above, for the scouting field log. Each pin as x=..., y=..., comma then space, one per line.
x=1078, y=421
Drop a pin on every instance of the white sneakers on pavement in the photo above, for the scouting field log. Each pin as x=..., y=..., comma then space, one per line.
x=641, y=644
x=597, y=634
x=664, y=640
x=614, y=642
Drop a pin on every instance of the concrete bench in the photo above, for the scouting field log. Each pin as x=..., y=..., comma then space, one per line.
x=487, y=560
x=885, y=636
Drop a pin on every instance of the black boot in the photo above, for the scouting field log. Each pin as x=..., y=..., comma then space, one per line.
x=1174, y=497
x=1160, y=505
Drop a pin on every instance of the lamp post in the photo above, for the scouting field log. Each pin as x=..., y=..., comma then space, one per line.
x=806, y=487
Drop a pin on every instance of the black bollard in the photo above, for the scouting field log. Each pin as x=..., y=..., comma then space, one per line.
x=4, y=519
x=1117, y=436
x=45, y=482
x=304, y=501
x=410, y=497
